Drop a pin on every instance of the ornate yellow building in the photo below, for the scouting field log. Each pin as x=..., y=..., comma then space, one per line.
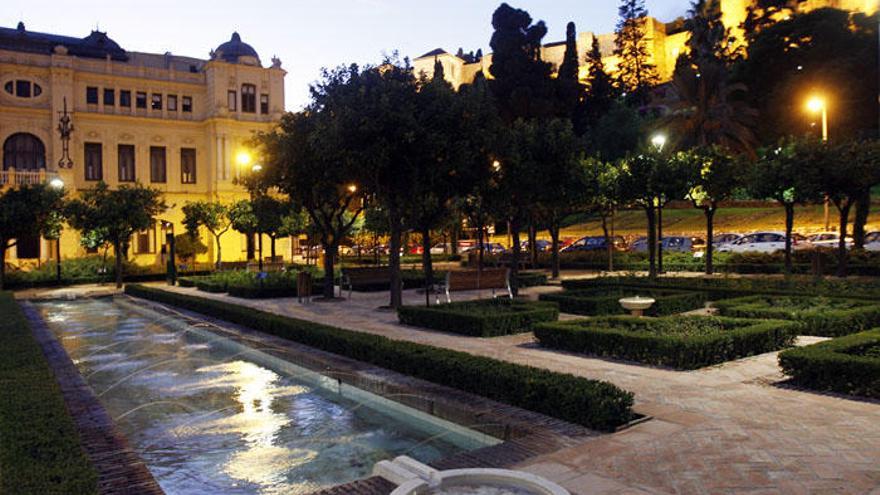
x=167, y=121
x=665, y=42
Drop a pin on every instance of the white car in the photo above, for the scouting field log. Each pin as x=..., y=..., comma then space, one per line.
x=828, y=240
x=763, y=242
x=872, y=242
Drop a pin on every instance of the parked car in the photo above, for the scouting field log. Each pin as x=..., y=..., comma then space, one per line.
x=594, y=243
x=488, y=248
x=828, y=240
x=764, y=242
x=671, y=244
x=721, y=239
x=541, y=244
x=872, y=242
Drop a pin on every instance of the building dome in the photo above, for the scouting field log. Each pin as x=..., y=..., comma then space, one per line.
x=236, y=51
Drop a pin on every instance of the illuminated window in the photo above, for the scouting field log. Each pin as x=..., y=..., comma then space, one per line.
x=187, y=166
x=126, y=163
x=264, y=104
x=187, y=104
x=156, y=101
x=94, y=161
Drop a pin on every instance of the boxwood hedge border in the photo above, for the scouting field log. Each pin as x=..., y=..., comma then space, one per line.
x=595, y=337
x=830, y=323
x=465, y=318
x=590, y=302
x=591, y=403
x=832, y=366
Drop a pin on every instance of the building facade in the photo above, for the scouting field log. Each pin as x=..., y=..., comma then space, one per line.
x=170, y=122
x=665, y=42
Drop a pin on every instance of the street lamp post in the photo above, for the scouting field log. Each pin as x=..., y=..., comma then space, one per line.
x=817, y=104
x=659, y=142
x=172, y=255
x=57, y=183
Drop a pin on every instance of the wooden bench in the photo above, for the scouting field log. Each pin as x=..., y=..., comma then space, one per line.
x=352, y=277
x=489, y=278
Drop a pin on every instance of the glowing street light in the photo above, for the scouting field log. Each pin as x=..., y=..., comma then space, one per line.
x=257, y=168
x=243, y=158
x=352, y=188
x=817, y=104
x=56, y=183
x=659, y=141
x=496, y=166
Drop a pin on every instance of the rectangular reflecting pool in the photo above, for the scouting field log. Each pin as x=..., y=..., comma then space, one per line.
x=210, y=415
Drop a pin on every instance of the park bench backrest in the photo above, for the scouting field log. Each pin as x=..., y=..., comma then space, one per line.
x=489, y=278
x=368, y=275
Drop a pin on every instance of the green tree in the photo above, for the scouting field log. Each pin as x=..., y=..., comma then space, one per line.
x=636, y=74
x=26, y=211
x=847, y=172
x=638, y=183
x=616, y=133
x=605, y=179
x=786, y=174
x=521, y=80
x=211, y=215
x=715, y=175
x=601, y=94
x=119, y=213
x=303, y=161
x=188, y=246
x=569, y=89
x=243, y=219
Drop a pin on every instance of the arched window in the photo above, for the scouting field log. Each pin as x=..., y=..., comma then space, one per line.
x=24, y=151
x=248, y=98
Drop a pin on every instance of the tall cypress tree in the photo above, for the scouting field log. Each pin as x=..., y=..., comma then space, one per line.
x=636, y=75
x=600, y=92
x=569, y=90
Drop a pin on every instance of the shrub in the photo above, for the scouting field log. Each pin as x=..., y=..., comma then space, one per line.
x=487, y=318
x=596, y=302
x=592, y=403
x=849, y=364
x=819, y=315
x=531, y=279
x=683, y=342
x=40, y=449
x=725, y=288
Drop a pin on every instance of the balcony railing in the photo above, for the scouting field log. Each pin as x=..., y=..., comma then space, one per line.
x=12, y=178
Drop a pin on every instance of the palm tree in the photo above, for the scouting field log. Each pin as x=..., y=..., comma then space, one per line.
x=710, y=109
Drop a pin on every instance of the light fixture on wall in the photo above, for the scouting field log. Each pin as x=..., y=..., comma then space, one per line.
x=65, y=128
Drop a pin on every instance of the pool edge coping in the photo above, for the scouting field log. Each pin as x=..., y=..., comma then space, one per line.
x=120, y=469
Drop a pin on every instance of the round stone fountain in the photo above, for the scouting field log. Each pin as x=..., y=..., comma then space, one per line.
x=637, y=305
x=415, y=478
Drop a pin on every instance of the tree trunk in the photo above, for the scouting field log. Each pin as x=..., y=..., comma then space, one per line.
x=710, y=233
x=480, y=246
x=652, y=241
x=3, y=248
x=117, y=248
x=454, y=239
x=394, y=257
x=427, y=265
x=554, y=237
x=329, y=270
x=789, y=227
x=843, y=208
x=609, y=246
x=260, y=247
x=660, y=239
x=863, y=209
x=272, y=247
x=219, y=261
x=514, y=263
x=533, y=244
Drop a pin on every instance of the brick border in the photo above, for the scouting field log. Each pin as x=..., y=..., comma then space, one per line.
x=120, y=469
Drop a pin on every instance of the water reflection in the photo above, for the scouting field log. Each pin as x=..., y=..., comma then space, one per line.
x=211, y=417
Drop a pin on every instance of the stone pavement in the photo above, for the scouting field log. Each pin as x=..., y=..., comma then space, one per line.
x=725, y=429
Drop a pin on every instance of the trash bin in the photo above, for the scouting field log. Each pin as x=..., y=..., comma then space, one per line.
x=304, y=286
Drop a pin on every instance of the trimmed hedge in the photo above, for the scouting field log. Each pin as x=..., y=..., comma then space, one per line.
x=597, y=302
x=40, y=449
x=487, y=318
x=725, y=288
x=845, y=364
x=592, y=403
x=820, y=316
x=683, y=342
x=531, y=279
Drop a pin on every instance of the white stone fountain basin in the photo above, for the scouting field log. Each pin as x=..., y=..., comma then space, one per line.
x=637, y=305
x=415, y=478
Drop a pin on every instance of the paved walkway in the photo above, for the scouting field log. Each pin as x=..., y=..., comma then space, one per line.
x=723, y=429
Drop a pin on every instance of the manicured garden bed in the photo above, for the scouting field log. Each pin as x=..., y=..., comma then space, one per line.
x=731, y=287
x=819, y=315
x=606, y=301
x=683, y=342
x=592, y=403
x=849, y=364
x=248, y=285
x=486, y=318
x=40, y=449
